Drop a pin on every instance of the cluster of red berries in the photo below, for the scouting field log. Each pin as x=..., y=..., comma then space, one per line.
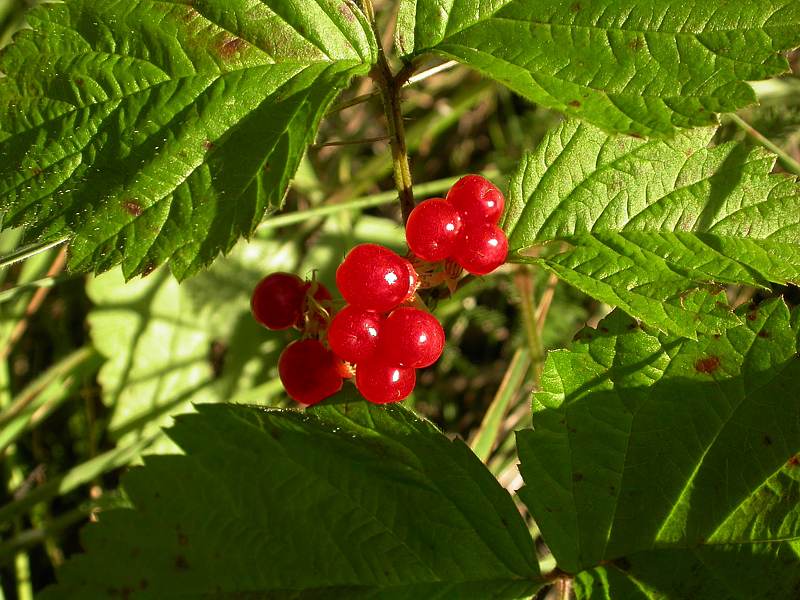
x=461, y=227
x=380, y=335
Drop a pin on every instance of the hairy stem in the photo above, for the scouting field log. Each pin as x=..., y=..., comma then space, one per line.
x=390, y=87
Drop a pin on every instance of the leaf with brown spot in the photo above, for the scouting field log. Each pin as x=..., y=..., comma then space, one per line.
x=682, y=459
x=112, y=100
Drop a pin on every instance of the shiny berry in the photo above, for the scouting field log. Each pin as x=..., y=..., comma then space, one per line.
x=412, y=338
x=481, y=249
x=277, y=300
x=309, y=371
x=432, y=229
x=353, y=333
x=373, y=278
x=477, y=199
x=381, y=383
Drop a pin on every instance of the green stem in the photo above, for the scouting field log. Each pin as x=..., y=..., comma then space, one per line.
x=390, y=87
x=790, y=163
x=22, y=566
x=371, y=140
x=523, y=280
x=412, y=79
x=27, y=252
x=381, y=199
x=488, y=436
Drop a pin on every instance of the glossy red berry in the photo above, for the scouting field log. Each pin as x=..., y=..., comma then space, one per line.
x=373, y=278
x=477, y=199
x=381, y=383
x=309, y=371
x=432, y=229
x=277, y=300
x=481, y=249
x=353, y=333
x=412, y=338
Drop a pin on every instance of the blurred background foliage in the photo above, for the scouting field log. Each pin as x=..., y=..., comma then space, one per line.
x=91, y=368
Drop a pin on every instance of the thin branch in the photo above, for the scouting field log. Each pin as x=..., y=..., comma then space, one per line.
x=545, y=301
x=33, y=306
x=405, y=77
x=431, y=72
x=371, y=140
x=28, y=251
x=790, y=163
x=523, y=280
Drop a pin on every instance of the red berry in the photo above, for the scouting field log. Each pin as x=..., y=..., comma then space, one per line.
x=373, y=278
x=381, y=383
x=477, y=199
x=432, y=229
x=321, y=295
x=353, y=333
x=277, y=300
x=412, y=338
x=481, y=249
x=309, y=371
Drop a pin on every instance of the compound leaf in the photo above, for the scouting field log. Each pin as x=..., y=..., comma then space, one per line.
x=644, y=222
x=155, y=130
x=640, y=67
x=347, y=500
x=669, y=466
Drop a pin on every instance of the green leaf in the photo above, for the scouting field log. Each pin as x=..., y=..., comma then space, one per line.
x=659, y=461
x=643, y=222
x=348, y=500
x=153, y=130
x=640, y=67
x=168, y=345
x=754, y=572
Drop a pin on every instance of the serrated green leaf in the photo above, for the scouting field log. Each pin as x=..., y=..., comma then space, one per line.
x=168, y=346
x=348, y=500
x=754, y=572
x=663, y=459
x=150, y=130
x=644, y=222
x=640, y=67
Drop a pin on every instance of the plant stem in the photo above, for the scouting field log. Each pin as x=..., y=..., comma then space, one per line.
x=488, y=436
x=33, y=305
x=390, y=87
x=371, y=140
x=27, y=252
x=412, y=79
x=380, y=199
x=546, y=301
x=790, y=163
x=523, y=280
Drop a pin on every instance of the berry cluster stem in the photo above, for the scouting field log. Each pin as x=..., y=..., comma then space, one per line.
x=390, y=86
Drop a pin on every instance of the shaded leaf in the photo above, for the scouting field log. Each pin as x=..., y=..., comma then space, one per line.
x=664, y=459
x=348, y=500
